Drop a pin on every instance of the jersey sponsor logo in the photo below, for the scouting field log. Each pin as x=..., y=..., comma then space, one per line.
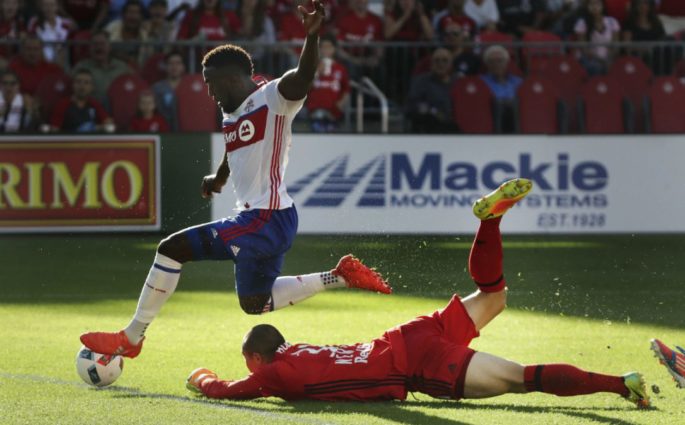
x=248, y=129
x=235, y=250
x=399, y=180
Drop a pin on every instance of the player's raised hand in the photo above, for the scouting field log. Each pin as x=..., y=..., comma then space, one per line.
x=312, y=20
x=209, y=186
x=196, y=378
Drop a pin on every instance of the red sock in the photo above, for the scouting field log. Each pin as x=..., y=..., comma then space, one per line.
x=485, y=260
x=566, y=380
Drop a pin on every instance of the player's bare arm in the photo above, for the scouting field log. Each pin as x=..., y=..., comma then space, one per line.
x=295, y=83
x=213, y=183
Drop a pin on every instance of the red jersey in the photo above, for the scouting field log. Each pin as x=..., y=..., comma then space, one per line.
x=672, y=7
x=67, y=116
x=330, y=372
x=156, y=124
x=30, y=76
x=290, y=28
x=328, y=88
x=356, y=29
x=83, y=11
x=209, y=25
x=466, y=23
x=411, y=30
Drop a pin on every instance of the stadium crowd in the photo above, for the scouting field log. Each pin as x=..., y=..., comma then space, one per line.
x=448, y=65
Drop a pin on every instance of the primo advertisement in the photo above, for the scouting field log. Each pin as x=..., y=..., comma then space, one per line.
x=424, y=184
x=79, y=183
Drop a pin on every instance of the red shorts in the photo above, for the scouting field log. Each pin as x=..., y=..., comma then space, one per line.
x=433, y=350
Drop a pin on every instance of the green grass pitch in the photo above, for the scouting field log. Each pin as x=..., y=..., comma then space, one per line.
x=593, y=301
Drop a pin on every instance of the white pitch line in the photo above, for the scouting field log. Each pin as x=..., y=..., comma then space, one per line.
x=134, y=391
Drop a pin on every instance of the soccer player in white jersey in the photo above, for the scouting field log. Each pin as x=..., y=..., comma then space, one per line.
x=257, y=130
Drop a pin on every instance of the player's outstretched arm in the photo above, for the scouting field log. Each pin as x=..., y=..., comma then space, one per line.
x=295, y=83
x=205, y=382
x=213, y=183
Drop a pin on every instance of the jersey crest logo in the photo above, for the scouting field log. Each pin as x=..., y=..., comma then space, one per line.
x=235, y=250
x=249, y=129
x=246, y=130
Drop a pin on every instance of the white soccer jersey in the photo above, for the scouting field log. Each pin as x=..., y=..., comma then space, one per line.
x=258, y=136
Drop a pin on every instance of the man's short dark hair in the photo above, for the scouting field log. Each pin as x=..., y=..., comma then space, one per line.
x=83, y=71
x=229, y=55
x=132, y=3
x=263, y=339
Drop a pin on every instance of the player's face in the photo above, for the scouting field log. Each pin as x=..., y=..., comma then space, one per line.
x=224, y=86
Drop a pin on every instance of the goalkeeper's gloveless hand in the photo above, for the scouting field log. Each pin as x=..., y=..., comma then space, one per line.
x=196, y=378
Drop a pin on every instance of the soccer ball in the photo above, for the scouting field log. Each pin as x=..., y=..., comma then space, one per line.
x=98, y=369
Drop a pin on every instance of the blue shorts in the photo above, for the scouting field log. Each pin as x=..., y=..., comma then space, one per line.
x=256, y=241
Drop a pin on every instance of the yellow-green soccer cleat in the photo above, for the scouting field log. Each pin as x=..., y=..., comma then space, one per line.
x=496, y=203
x=637, y=389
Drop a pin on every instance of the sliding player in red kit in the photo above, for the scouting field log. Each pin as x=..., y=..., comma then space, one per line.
x=429, y=354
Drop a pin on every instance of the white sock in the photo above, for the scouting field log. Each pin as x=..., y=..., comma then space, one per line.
x=160, y=284
x=289, y=290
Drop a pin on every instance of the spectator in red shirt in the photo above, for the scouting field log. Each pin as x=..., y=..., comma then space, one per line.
x=429, y=354
x=81, y=113
x=454, y=14
x=405, y=21
x=147, y=119
x=30, y=65
x=290, y=29
x=361, y=27
x=207, y=21
x=330, y=90
x=17, y=112
x=49, y=26
x=12, y=26
x=87, y=14
x=257, y=27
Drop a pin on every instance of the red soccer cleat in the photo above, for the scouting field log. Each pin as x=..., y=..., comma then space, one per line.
x=113, y=343
x=357, y=275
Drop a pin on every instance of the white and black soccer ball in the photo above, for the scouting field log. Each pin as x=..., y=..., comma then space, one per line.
x=98, y=369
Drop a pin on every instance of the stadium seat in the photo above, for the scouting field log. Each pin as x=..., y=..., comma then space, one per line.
x=602, y=107
x=568, y=76
x=679, y=69
x=538, y=107
x=634, y=77
x=536, y=58
x=154, y=68
x=672, y=7
x=196, y=110
x=472, y=105
x=123, y=98
x=49, y=91
x=665, y=106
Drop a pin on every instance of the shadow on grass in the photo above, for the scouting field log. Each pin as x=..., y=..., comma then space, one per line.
x=625, y=278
